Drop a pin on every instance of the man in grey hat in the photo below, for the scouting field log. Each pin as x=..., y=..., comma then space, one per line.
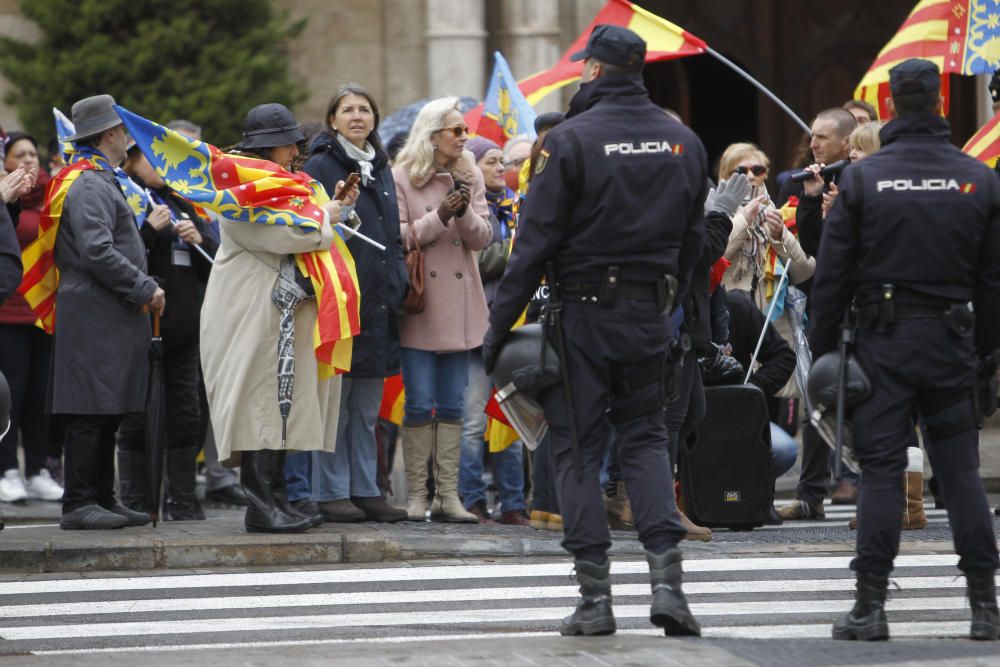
x=102, y=333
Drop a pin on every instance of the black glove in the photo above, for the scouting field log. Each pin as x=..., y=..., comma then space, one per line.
x=986, y=386
x=719, y=368
x=491, y=344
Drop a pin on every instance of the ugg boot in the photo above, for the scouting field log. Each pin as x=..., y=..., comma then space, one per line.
x=418, y=441
x=914, y=517
x=982, y=592
x=866, y=621
x=695, y=533
x=132, y=481
x=670, y=608
x=593, y=615
x=447, y=452
x=182, y=502
x=618, y=509
x=257, y=469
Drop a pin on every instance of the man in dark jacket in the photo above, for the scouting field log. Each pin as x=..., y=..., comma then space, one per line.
x=916, y=337
x=10, y=256
x=102, y=335
x=616, y=206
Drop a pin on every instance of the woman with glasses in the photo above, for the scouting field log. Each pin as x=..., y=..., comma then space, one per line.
x=442, y=208
x=760, y=237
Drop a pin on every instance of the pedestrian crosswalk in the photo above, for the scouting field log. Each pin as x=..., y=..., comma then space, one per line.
x=778, y=597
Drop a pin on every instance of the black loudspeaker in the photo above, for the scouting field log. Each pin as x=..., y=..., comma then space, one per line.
x=725, y=465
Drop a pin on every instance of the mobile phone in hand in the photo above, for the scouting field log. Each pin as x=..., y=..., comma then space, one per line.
x=352, y=180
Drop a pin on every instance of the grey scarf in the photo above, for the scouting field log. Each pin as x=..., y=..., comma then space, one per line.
x=362, y=157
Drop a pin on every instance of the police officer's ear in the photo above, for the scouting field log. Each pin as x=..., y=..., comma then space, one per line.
x=890, y=108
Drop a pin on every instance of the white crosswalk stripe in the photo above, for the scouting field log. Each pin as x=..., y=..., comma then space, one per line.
x=754, y=597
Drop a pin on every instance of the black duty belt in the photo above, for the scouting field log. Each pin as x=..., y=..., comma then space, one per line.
x=591, y=293
x=869, y=315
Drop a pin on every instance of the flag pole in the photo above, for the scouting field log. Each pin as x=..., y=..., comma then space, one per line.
x=736, y=68
x=767, y=320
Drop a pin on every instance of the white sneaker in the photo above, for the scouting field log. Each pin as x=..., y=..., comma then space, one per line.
x=12, y=487
x=43, y=487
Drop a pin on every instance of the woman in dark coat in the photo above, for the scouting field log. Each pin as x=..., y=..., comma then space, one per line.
x=170, y=233
x=345, y=481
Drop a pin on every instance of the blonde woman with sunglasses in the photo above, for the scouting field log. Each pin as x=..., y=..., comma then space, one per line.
x=442, y=208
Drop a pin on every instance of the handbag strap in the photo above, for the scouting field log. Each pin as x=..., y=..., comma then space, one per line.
x=411, y=237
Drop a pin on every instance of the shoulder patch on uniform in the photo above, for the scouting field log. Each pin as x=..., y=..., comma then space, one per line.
x=543, y=159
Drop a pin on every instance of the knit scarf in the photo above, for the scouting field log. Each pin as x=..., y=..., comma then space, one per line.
x=362, y=157
x=503, y=204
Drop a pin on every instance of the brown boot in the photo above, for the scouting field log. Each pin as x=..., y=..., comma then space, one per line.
x=695, y=533
x=846, y=493
x=618, y=509
x=913, y=513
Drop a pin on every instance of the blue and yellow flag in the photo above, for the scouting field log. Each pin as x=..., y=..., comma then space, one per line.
x=64, y=130
x=506, y=113
x=251, y=190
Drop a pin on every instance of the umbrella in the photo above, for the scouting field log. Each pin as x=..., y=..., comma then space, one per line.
x=402, y=119
x=286, y=295
x=156, y=413
x=795, y=312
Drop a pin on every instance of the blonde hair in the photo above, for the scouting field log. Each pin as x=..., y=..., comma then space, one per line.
x=736, y=153
x=417, y=155
x=865, y=138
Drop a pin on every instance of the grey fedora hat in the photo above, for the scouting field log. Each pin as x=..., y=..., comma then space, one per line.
x=93, y=115
x=270, y=125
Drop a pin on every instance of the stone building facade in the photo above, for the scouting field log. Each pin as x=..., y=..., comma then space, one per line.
x=810, y=53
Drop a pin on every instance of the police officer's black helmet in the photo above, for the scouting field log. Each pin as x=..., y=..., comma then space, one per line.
x=520, y=359
x=823, y=378
x=4, y=406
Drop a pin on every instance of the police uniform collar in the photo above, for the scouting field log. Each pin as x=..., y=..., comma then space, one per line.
x=925, y=125
x=625, y=84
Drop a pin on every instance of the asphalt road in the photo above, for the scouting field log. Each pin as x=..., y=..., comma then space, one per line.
x=754, y=610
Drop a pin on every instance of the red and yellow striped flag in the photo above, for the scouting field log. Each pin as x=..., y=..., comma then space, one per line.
x=664, y=41
x=985, y=144
x=956, y=35
x=41, y=277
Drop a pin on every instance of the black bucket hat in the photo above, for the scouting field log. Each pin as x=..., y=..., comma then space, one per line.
x=268, y=126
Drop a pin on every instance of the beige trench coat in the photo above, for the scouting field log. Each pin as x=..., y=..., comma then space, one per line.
x=239, y=347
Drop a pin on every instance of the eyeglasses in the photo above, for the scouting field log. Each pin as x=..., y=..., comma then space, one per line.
x=756, y=170
x=456, y=131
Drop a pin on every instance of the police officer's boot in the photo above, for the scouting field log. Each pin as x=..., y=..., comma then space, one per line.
x=417, y=444
x=593, y=614
x=982, y=592
x=866, y=621
x=447, y=452
x=670, y=608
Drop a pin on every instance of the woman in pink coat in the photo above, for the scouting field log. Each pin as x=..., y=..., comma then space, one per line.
x=442, y=197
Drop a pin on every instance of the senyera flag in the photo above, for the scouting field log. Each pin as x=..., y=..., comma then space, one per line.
x=251, y=190
x=959, y=36
x=985, y=144
x=664, y=41
x=505, y=112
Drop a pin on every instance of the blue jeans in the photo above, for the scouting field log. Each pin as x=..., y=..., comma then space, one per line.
x=351, y=470
x=783, y=451
x=298, y=475
x=435, y=384
x=508, y=468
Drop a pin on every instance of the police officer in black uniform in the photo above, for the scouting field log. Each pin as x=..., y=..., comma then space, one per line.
x=914, y=237
x=616, y=206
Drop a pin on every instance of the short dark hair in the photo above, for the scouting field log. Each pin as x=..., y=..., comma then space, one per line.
x=916, y=104
x=615, y=69
x=845, y=120
x=864, y=106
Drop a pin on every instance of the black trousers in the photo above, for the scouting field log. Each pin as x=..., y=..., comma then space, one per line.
x=25, y=352
x=815, y=474
x=184, y=427
x=602, y=343
x=89, y=465
x=919, y=365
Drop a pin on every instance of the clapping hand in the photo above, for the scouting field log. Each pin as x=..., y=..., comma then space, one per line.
x=17, y=183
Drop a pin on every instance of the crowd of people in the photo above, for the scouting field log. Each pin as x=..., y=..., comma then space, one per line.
x=453, y=198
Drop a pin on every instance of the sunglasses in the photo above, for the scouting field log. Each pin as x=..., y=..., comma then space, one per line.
x=756, y=170
x=457, y=131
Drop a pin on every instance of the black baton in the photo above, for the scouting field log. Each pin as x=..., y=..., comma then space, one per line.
x=553, y=310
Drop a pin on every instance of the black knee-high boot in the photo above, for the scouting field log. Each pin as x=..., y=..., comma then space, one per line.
x=182, y=502
x=257, y=470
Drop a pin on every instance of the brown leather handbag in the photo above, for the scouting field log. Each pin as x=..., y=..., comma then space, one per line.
x=413, y=304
